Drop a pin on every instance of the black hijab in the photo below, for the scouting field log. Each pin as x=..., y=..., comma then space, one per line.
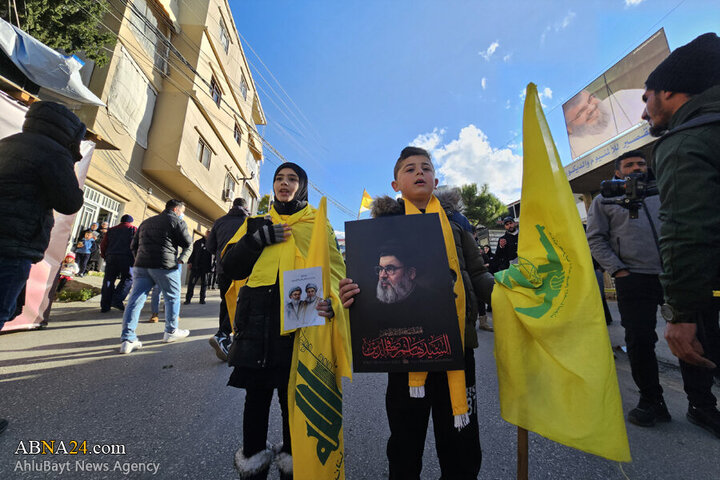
x=300, y=199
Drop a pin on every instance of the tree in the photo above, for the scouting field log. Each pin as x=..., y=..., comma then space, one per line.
x=481, y=208
x=69, y=25
x=264, y=205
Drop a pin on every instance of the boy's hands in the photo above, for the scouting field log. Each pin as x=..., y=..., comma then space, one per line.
x=348, y=290
x=324, y=308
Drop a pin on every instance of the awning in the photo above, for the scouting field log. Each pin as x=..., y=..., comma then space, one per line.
x=44, y=66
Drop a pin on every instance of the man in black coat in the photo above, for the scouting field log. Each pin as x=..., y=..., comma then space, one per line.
x=200, y=263
x=161, y=244
x=115, y=249
x=222, y=231
x=506, y=251
x=37, y=176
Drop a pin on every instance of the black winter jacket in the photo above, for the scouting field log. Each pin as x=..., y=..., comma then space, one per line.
x=116, y=242
x=201, y=258
x=223, y=230
x=156, y=243
x=37, y=176
x=503, y=256
x=477, y=280
x=257, y=343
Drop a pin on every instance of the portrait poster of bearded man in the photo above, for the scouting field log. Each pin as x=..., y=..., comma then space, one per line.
x=405, y=318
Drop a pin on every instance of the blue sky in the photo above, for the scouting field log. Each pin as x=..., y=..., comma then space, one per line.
x=359, y=80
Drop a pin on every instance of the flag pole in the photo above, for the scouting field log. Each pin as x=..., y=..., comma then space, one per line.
x=522, y=454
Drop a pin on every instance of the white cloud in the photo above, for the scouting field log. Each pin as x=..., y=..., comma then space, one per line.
x=560, y=25
x=339, y=235
x=429, y=141
x=507, y=104
x=483, y=83
x=507, y=57
x=567, y=20
x=471, y=159
x=632, y=3
x=546, y=92
x=490, y=50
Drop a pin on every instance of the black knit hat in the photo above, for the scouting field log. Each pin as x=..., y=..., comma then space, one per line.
x=692, y=68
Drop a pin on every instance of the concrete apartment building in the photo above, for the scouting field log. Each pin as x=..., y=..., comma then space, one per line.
x=182, y=110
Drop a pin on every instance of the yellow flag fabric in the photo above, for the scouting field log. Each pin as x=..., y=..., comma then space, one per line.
x=556, y=372
x=456, y=378
x=366, y=202
x=321, y=357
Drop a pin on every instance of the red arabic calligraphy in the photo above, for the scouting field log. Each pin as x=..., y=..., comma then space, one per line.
x=406, y=346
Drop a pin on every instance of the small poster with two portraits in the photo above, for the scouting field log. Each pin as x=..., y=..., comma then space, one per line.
x=404, y=317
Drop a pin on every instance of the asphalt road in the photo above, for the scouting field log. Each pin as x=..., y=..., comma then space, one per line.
x=168, y=406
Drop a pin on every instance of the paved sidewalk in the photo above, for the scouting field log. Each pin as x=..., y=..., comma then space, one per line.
x=168, y=405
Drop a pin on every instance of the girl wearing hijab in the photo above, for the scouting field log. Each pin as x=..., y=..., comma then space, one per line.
x=260, y=354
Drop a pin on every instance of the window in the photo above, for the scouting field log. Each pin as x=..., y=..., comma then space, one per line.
x=147, y=31
x=243, y=87
x=131, y=99
x=204, y=153
x=215, y=91
x=229, y=188
x=237, y=134
x=224, y=38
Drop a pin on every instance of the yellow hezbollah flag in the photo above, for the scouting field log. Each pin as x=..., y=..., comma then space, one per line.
x=555, y=367
x=321, y=358
x=365, y=203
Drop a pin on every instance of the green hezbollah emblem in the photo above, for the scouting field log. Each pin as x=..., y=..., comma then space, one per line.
x=321, y=403
x=546, y=280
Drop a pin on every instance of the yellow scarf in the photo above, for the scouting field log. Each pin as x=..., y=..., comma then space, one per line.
x=456, y=378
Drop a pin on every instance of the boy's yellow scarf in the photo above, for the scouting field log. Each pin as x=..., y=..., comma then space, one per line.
x=456, y=378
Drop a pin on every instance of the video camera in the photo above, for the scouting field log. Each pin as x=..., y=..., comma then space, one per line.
x=635, y=187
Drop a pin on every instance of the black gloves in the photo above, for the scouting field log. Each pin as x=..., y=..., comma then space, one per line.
x=268, y=235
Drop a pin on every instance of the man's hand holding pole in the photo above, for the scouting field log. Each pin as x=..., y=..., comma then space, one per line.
x=683, y=343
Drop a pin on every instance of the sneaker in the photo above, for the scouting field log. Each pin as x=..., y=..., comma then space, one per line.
x=153, y=318
x=219, y=344
x=202, y=302
x=483, y=323
x=186, y=302
x=705, y=417
x=128, y=346
x=120, y=307
x=645, y=415
x=176, y=335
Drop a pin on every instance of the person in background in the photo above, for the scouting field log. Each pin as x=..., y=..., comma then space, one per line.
x=68, y=269
x=199, y=264
x=220, y=234
x=161, y=245
x=506, y=251
x=115, y=249
x=83, y=250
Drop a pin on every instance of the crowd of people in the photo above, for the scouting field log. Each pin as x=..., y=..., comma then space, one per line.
x=684, y=217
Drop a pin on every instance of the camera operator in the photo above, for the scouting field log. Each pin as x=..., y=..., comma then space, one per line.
x=625, y=248
x=682, y=99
